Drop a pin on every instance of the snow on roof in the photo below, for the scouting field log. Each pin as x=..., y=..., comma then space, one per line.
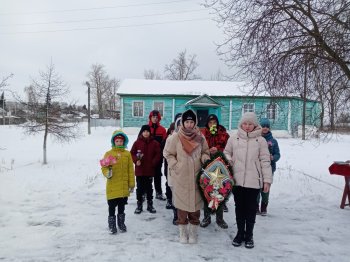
x=190, y=87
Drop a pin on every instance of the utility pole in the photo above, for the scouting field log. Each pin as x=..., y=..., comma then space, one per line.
x=89, y=126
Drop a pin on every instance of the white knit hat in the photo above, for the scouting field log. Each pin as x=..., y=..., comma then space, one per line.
x=249, y=117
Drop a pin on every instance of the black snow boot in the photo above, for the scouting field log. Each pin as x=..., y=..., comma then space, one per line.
x=225, y=207
x=169, y=204
x=150, y=207
x=220, y=218
x=112, y=224
x=263, y=209
x=175, y=217
x=121, y=223
x=207, y=218
x=138, y=209
x=249, y=242
x=238, y=240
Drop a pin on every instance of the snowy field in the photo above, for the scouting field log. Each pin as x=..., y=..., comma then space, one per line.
x=58, y=212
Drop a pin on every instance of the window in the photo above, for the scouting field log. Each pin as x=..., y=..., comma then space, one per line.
x=137, y=109
x=271, y=111
x=159, y=106
x=248, y=108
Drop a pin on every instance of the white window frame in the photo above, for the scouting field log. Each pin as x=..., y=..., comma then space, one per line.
x=249, y=110
x=161, y=111
x=268, y=110
x=133, y=107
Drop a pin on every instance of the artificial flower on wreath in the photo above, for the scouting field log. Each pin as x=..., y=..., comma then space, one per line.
x=108, y=161
x=215, y=180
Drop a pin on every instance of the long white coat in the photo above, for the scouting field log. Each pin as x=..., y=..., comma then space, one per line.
x=183, y=171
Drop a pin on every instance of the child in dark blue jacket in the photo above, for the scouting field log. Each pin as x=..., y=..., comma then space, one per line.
x=275, y=156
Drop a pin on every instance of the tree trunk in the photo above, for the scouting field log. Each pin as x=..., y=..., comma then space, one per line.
x=304, y=105
x=44, y=148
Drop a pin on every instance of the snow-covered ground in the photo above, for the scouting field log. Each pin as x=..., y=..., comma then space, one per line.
x=58, y=212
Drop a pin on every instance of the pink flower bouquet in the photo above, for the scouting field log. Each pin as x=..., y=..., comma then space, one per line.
x=108, y=161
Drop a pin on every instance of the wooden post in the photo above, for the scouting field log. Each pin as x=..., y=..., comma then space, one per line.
x=346, y=193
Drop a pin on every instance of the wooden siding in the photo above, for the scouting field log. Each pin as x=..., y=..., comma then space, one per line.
x=284, y=120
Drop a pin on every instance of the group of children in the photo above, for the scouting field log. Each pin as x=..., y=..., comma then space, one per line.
x=252, y=153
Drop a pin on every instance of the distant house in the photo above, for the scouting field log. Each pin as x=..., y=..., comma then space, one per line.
x=228, y=100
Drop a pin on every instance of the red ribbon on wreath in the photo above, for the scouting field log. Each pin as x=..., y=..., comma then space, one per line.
x=216, y=180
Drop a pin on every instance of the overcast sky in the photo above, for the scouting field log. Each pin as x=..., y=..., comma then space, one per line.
x=127, y=36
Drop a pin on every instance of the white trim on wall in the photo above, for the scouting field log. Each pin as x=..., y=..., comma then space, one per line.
x=121, y=112
x=230, y=116
x=289, y=127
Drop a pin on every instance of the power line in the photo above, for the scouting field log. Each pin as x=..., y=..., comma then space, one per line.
x=93, y=8
x=104, y=19
x=104, y=27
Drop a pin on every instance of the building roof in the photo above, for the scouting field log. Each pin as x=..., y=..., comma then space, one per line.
x=203, y=100
x=174, y=87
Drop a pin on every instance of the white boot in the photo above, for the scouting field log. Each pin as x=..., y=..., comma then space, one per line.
x=193, y=234
x=183, y=234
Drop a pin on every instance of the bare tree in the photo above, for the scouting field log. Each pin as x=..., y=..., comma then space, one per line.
x=112, y=99
x=218, y=76
x=3, y=81
x=182, y=67
x=44, y=111
x=151, y=74
x=266, y=36
x=275, y=42
x=103, y=89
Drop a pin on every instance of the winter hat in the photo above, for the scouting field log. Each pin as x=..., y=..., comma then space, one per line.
x=155, y=113
x=119, y=133
x=145, y=127
x=212, y=117
x=249, y=117
x=177, y=116
x=265, y=122
x=119, y=137
x=188, y=115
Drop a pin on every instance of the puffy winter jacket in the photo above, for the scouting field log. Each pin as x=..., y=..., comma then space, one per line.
x=184, y=169
x=250, y=158
x=217, y=140
x=151, y=155
x=273, y=149
x=123, y=174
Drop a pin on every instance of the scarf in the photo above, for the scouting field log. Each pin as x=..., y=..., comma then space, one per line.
x=190, y=139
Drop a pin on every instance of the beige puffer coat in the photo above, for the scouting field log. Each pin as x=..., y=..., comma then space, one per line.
x=183, y=170
x=250, y=158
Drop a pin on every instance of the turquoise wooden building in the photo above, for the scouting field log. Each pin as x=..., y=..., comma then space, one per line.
x=228, y=100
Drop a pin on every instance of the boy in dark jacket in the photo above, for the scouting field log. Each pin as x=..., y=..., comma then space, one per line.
x=158, y=132
x=275, y=156
x=146, y=155
x=216, y=137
